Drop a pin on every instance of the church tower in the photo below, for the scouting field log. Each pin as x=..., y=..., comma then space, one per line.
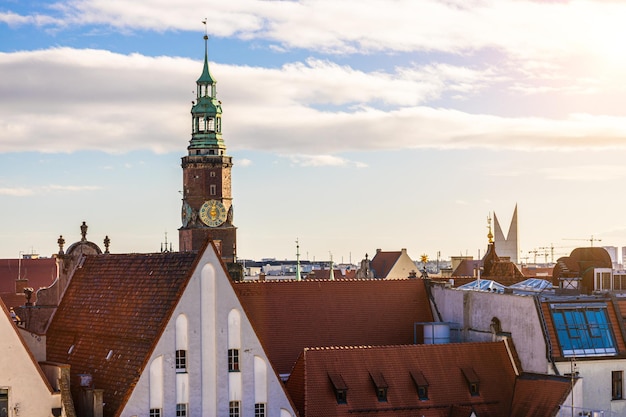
x=507, y=246
x=207, y=199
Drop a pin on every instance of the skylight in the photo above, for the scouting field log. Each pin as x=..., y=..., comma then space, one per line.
x=483, y=285
x=532, y=284
x=583, y=329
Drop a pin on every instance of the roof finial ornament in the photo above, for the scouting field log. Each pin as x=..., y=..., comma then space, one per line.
x=83, y=231
x=107, y=243
x=61, y=242
x=489, y=235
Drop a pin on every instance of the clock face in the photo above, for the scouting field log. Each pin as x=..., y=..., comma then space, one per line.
x=186, y=213
x=213, y=213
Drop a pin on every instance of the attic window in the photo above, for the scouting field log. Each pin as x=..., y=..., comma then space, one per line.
x=473, y=382
x=381, y=385
x=421, y=383
x=109, y=355
x=341, y=389
x=583, y=329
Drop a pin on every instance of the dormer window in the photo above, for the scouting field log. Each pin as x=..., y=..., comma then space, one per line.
x=381, y=385
x=473, y=382
x=340, y=387
x=421, y=384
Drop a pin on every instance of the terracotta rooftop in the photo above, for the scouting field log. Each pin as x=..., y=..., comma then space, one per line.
x=446, y=371
x=539, y=395
x=118, y=304
x=289, y=316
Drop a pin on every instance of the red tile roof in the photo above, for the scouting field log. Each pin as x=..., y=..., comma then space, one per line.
x=382, y=262
x=539, y=395
x=442, y=367
x=117, y=303
x=289, y=316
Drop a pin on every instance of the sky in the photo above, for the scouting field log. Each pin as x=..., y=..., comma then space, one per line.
x=353, y=126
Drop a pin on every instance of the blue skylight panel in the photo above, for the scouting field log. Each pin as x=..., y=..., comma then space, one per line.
x=583, y=330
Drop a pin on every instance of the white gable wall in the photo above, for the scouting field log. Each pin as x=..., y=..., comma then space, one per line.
x=28, y=392
x=403, y=267
x=474, y=311
x=207, y=304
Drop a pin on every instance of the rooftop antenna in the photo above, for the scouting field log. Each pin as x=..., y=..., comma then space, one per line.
x=165, y=249
x=19, y=265
x=331, y=273
x=298, y=275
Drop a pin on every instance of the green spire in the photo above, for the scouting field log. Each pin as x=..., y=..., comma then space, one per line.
x=206, y=113
x=206, y=78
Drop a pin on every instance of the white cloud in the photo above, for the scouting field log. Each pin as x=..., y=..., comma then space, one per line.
x=586, y=173
x=244, y=162
x=322, y=160
x=16, y=192
x=70, y=188
x=116, y=103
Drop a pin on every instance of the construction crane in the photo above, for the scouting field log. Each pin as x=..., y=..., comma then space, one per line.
x=591, y=240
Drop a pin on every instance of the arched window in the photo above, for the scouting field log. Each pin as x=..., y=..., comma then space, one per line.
x=156, y=387
x=234, y=340
x=181, y=343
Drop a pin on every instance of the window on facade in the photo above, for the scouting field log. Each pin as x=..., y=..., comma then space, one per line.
x=181, y=410
x=233, y=409
x=583, y=330
x=233, y=360
x=4, y=402
x=617, y=384
x=181, y=361
x=212, y=189
x=155, y=412
x=259, y=410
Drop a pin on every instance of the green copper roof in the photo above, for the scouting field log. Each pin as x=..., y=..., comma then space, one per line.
x=206, y=78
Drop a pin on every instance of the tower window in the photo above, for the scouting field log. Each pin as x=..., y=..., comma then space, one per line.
x=233, y=360
x=212, y=189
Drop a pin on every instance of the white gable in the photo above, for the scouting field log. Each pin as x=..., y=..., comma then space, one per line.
x=24, y=390
x=218, y=335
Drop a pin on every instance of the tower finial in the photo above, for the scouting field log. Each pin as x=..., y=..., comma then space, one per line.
x=489, y=235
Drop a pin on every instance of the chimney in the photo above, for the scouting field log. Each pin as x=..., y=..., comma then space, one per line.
x=261, y=276
x=20, y=284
